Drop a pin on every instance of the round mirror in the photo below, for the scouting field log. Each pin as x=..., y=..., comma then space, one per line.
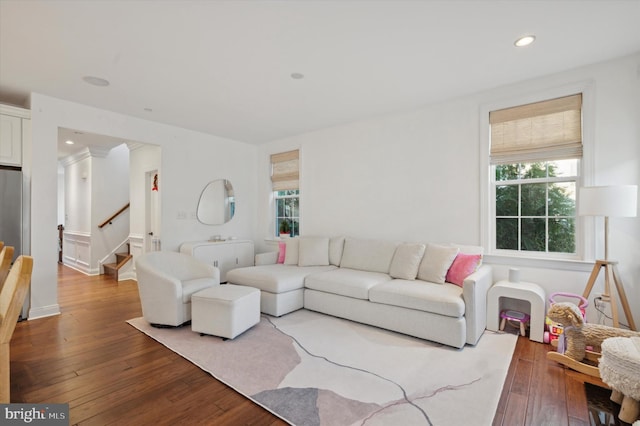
x=217, y=203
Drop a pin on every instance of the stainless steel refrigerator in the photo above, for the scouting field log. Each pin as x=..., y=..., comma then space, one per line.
x=11, y=208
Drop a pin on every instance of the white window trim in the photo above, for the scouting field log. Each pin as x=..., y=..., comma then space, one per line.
x=585, y=227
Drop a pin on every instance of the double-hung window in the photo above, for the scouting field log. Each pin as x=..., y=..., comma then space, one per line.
x=286, y=190
x=535, y=172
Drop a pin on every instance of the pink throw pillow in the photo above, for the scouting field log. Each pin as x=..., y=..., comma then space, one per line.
x=282, y=247
x=463, y=266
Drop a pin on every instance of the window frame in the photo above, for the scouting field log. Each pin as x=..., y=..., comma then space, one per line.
x=276, y=197
x=528, y=253
x=585, y=227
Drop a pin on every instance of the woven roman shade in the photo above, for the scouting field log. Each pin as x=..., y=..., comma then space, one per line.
x=541, y=131
x=285, y=170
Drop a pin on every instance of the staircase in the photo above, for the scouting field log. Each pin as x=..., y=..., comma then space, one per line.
x=112, y=269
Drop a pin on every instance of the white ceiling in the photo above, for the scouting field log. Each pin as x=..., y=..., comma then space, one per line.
x=224, y=67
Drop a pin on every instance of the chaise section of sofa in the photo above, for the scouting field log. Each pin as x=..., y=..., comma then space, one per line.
x=281, y=286
x=430, y=291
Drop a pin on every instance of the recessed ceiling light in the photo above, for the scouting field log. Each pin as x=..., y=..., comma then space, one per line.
x=525, y=40
x=95, y=81
x=297, y=76
x=69, y=142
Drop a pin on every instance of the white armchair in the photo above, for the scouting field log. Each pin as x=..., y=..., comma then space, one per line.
x=166, y=281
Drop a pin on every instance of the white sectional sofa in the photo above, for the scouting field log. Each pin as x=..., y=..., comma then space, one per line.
x=436, y=292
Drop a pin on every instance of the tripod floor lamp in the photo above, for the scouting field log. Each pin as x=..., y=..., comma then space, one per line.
x=609, y=201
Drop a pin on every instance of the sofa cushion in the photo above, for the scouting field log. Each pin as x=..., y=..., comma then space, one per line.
x=368, y=255
x=436, y=262
x=313, y=251
x=346, y=282
x=406, y=261
x=274, y=278
x=336, y=246
x=444, y=299
x=291, y=253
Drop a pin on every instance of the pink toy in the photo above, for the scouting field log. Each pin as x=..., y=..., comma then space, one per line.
x=554, y=330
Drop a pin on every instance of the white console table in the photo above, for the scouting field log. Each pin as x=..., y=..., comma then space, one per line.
x=225, y=255
x=529, y=292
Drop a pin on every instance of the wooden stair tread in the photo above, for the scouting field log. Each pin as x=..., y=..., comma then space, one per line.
x=112, y=268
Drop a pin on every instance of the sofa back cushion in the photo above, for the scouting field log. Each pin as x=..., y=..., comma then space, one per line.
x=406, y=261
x=336, y=247
x=291, y=252
x=467, y=249
x=313, y=251
x=368, y=255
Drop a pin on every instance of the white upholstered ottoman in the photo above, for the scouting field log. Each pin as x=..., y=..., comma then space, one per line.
x=225, y=310
x=620, y=369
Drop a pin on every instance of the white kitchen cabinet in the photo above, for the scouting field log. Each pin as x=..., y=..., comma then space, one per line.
x=225, y=255
x=13, y=121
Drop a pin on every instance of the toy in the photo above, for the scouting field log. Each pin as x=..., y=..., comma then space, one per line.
x=515, y=316
x=553, y=330
x=576, y=336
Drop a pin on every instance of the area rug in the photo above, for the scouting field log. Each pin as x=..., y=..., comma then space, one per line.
x=313, y=369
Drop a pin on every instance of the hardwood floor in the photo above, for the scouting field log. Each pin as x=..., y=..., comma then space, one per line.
x=110, y=373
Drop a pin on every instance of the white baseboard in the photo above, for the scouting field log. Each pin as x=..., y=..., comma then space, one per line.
x=44, y=311
x=128, y=275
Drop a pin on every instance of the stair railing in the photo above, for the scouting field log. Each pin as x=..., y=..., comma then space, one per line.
x=113, y=216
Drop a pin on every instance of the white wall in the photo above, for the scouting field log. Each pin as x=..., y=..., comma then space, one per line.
x=77, y=203
x=144, y=158
x=189, y=160
x=109, y=193
x=416, y=176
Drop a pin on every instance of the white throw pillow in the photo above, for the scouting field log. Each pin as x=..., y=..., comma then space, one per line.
x=313, y=251
x=406, y=261
x=436, y=262
x=291, y=254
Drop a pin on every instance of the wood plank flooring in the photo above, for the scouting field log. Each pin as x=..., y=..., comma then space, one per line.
x=110, y=373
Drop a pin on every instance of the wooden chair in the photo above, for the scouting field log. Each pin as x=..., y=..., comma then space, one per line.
x=6, y=256
x=11, y=300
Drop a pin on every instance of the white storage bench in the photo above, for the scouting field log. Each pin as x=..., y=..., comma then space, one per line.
x=225, y=310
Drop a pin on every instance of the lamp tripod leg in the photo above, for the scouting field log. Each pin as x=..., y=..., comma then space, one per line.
x=608, y=276
x=592, y=279
x=623, y=298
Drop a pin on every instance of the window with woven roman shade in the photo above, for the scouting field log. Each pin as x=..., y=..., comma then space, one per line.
x=285, y=170
x=285, y=180
x=540, y=131
x=535, y=159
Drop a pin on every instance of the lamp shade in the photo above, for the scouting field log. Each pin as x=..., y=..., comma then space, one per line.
x=609, y=201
